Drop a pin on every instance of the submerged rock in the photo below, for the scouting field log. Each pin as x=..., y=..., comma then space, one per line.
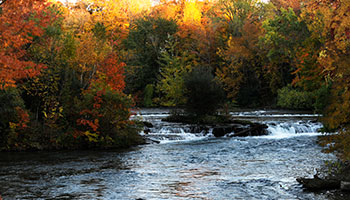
x=151, y=141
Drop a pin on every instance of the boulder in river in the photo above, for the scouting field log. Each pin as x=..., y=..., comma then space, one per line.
x=222, y=131
x=239, y=130
x=338, y=179
x=254, y=129
x=345, y=186
x=151, y=141
x=317, y=183
x=147, y=124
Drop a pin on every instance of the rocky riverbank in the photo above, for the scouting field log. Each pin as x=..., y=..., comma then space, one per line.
x=334, y=179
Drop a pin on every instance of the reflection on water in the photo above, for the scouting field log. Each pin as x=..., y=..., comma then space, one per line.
x=208, y=168
x=229, y=168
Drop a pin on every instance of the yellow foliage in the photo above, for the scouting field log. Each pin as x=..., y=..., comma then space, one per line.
x=192, y=12
x=12, y=125
x=92, y=137
x=77, y=19
x=116, y=14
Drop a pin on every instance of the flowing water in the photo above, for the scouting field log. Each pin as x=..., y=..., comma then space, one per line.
x=187, y=164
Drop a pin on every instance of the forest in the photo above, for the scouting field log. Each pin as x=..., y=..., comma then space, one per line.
x=71, y=74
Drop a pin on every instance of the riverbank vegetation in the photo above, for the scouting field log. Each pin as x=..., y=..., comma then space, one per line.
x=71, y=73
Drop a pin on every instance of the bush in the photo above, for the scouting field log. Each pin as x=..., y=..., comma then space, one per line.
x=148, y=95
x=204, y=94
x=322, y=97
x=291, y=98
x=12, y=117
x=104, y=118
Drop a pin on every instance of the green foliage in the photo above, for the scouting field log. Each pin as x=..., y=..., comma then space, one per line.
x=292, y=98
x=175, y=65
x=242, y=69
x=146, y=39
x=236, y=12
x=322, y=96
x=100, y=31
x=284, y=36
x=10, y=103
x=148, y=95
x=204, y=93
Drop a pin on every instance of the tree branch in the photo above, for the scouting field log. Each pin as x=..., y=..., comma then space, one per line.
x=2, y=2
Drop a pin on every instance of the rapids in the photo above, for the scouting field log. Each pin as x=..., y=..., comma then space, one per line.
x=184, y=165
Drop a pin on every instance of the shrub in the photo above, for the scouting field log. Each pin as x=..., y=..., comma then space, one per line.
x=291, y=98
x=204, y=94
x=148, y=95
x=322, y=97
x=104, y=118
x=13, y=117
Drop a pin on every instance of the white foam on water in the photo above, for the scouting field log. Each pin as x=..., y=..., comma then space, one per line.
x=272, y=114
x=280, y=124
x=280, y=130
x=169, y=134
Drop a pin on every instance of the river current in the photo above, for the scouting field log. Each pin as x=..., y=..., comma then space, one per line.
x=183, y=166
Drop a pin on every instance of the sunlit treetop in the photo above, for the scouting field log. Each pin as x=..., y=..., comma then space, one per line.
x=294, y=4
x=116, y=14
x=192, y=12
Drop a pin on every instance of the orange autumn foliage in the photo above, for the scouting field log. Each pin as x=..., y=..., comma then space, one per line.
x=294, y=4
x=330, y=21
x=167, y=10
x=19, y=24
x=91, y=120
x=113, y=73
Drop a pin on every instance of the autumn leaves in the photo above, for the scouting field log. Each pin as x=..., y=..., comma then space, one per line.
x=56, y=61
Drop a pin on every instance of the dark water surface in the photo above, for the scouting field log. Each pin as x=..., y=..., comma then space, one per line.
x=207, y=168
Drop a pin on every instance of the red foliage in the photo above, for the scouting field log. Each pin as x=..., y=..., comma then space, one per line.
x=19, y=24
x=90, y=117
x=114, y=72
x=24, y=118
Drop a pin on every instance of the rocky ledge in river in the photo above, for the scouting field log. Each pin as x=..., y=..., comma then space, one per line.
x=221, y=125
x=240, y=130
x=334, y=181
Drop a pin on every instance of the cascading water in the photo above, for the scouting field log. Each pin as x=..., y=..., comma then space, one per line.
x=280, y=125
x=293, y=129
x=196, y=166
x=165, y=132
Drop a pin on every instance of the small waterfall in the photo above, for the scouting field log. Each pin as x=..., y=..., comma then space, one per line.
x=292, y=129
x=280, y=124
x=174, y=132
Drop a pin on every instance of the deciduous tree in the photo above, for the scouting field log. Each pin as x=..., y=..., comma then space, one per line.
x=20, y=22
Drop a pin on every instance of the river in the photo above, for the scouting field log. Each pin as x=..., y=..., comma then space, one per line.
x=183, y=166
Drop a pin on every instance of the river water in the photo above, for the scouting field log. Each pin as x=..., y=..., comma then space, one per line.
x=183, y=166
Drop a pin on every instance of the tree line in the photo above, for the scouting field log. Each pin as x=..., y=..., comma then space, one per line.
x=71, y=73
